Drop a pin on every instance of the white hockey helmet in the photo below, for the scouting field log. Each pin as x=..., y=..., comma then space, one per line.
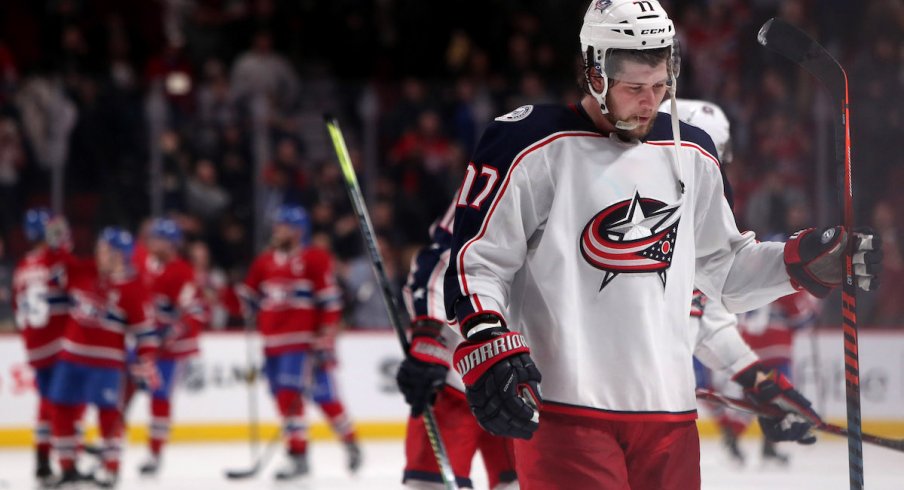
x=624, y=24
x=708, y=117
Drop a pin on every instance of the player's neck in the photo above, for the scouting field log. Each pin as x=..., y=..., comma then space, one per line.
x=592, y=108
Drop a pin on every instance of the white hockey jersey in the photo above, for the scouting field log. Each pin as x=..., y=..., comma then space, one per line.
x=584, y=243
x=719, y=345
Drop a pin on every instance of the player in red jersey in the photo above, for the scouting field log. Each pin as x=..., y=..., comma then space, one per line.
x=41, y=305
x=770, y=333
x=292, y=289
x=179, y=316
x=109, y=302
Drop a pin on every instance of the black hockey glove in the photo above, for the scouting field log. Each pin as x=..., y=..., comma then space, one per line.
x=769, y=387
x=423, y=372
x=814, y=259
x=501, y=378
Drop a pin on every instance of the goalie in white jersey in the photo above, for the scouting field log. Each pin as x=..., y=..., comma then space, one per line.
x=581, y=232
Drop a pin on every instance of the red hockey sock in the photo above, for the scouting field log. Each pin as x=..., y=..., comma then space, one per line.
x=160, y=424
x=340, y=422
x=43, y=427
x=65, y=441
x=111, y=434
x=292, y=409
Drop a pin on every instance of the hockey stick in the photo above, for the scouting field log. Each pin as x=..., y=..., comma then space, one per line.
x=773, y=412
x=792, y=43
x=272, y=445
x=376, y=260
x=260, y=459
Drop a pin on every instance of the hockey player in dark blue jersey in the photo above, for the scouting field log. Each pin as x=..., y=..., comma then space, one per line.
x=425, y=378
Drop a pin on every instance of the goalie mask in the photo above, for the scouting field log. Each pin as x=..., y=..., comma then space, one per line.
x=624, y=25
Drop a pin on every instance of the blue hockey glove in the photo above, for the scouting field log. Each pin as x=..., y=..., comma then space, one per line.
x=423, y=372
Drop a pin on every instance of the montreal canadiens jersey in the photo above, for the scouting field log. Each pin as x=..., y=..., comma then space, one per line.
x=770, y=329
x=295, y=296
x=103, y=313
x=41, y=303
x=586, y=245
x=423, y=291
x=179, y=311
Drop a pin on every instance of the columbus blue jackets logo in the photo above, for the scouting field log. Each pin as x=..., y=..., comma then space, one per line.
x=635, y=236
x=601, y=5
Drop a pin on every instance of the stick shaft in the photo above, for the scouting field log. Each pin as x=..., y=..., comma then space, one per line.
x=797, y=46
x=849, y=308
x=376, y=260
x=774, y=412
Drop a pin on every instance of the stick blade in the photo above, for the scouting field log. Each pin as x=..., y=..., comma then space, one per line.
x=241, y=474
x=797, y=46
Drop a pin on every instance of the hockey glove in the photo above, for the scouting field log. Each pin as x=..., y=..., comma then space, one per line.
x=814, y=259
x=145, y=374
x=423, y=372
x=769, y=387
x=501, y=378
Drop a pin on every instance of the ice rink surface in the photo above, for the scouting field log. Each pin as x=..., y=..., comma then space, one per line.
x=201, y=466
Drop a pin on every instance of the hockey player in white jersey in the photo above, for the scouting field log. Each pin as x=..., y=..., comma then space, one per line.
x=579, y=236
x=720, y=346
x=424, y=378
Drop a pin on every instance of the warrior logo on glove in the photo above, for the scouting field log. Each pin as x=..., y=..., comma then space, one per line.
x=632, y=236
x=474, y=357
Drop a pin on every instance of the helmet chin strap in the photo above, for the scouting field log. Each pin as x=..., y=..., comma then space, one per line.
x=676, y=133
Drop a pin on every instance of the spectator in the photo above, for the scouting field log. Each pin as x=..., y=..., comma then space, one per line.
x=171, y=72
x=889, y=309
x=204, y=197
x=767, y=208
x=425, y=143
x=12, y=159
x=262, y=72
x=6, y=290
x=365, y=308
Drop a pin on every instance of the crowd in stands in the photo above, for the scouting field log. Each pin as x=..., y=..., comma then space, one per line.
x=228, y=95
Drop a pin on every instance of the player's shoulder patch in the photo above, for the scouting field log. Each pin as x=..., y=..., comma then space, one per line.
x=517, y=115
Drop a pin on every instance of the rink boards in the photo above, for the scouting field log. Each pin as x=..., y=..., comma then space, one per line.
x=212, y=397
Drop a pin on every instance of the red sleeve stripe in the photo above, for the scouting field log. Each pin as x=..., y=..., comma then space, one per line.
x=687, y=145
x=508, y=176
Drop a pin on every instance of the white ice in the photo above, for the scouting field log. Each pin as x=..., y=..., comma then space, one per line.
x=201, y=466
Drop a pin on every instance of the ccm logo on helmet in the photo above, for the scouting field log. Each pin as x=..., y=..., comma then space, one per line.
x=653, y=31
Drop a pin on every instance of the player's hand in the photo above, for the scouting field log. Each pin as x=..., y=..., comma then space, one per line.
x=501, y=378
x=324, y=358
x=424, y=370
x=813, y=259
x=769, y=387
x=145, y=374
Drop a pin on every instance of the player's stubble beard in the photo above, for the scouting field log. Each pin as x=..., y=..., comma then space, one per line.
x=636, y=133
